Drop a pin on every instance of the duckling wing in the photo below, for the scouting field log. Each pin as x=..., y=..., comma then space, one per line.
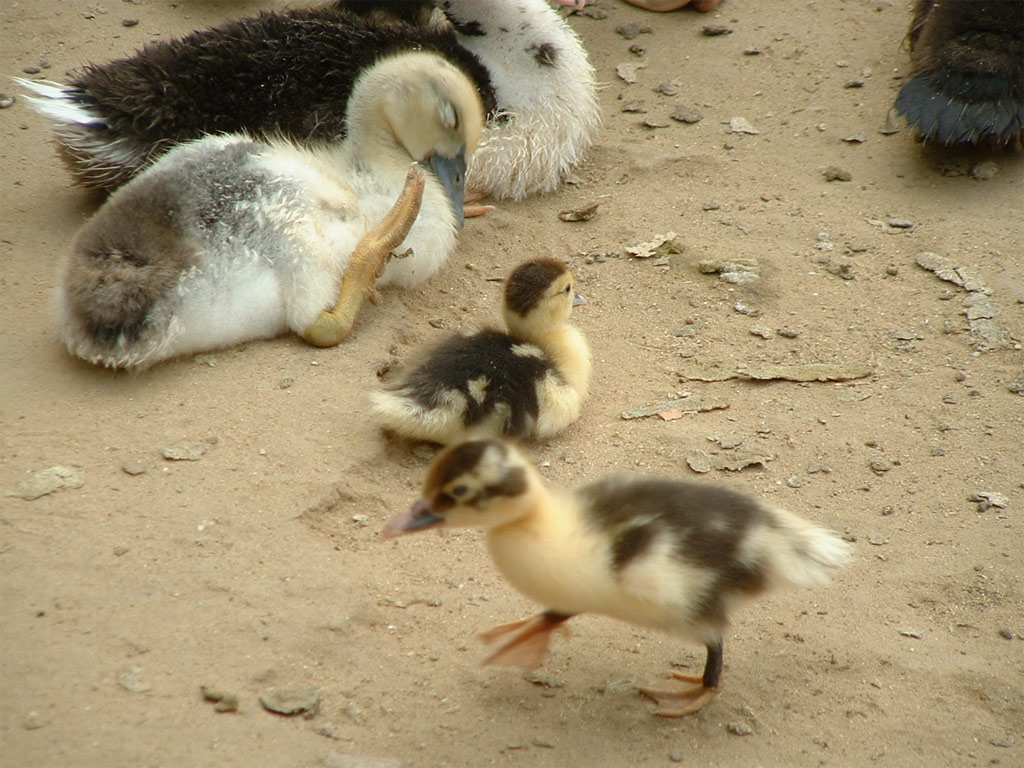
x=682, y=553
x=487, y=380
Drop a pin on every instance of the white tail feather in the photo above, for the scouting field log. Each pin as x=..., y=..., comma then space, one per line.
x=58, y=102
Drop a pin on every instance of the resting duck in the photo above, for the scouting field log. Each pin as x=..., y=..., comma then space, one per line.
x=658, y=553
x=227, y=239
x=290, y=74
x=967, y=85
x=529, y=382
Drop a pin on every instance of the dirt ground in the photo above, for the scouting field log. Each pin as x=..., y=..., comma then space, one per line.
x=259, y=564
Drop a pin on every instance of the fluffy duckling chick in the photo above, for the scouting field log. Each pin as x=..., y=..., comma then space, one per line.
x=290, y=74
x=658, y=553
x=967, y=86
x=529, y=382
x=227, y=239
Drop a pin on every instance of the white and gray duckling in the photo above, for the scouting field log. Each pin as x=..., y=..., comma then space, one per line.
x=228, y=239
x=289, y=74
x=967, y=85
x=655, y=552
x=529, y=382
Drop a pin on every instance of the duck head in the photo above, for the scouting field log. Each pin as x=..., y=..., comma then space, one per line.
x=539, y=296
x=416, y=106
x=475, y=484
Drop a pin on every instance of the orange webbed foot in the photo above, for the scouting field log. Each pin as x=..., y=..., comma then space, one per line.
x=522, y=643
x=681, y=700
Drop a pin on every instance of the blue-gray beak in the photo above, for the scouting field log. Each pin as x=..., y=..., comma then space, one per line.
x=451, y=172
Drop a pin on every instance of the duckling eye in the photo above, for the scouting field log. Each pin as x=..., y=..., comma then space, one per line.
x=458, y=490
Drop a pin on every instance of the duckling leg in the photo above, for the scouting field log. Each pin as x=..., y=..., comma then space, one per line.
x=700, y=691
x=528, y=641
x=368, y=259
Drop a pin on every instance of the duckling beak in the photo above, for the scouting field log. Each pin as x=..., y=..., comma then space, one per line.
x=419, y=517
x=579, y=299
x=451, y=172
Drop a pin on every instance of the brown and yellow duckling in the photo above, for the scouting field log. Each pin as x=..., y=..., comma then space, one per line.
x=654, y=552
x=528, y=382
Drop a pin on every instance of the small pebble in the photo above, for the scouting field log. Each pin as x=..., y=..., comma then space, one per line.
x=424, y=452
x=881, y=466
x=129, y=22
x=739, y=729
x=1006, y=633
x=787, y=333
x=835, y=173
x=135, y=467
x=714, y=30
x=984, y=171
x=6, y=100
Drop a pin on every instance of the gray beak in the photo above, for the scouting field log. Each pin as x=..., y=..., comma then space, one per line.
x=419, y=517
x=451, y=172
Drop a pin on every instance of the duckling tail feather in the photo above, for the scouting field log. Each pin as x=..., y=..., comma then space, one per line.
x=802, y=553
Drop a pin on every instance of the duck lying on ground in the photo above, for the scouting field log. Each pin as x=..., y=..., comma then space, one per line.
x=227, y=239
x=289, y=74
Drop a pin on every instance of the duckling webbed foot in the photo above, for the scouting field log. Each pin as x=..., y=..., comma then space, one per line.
x=368, y=259
x=679, y=701
x=527, y=640
x=682, y=700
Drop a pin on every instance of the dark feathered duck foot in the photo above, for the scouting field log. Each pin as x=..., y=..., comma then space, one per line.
x=679, y=701
x=367, y=262
x=523, y=643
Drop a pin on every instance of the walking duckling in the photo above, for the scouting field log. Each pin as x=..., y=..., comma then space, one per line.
x=967, y=85
x=290, y=74
x=529, y=382
x=227, y=239
x=655, y=552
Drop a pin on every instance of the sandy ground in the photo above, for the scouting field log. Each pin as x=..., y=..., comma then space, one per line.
x=260, y=564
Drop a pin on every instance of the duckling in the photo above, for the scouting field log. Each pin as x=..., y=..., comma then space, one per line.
x=654, y=552
x=227, y=239
x=290, y=74
x=967, y=85
x=529, y=382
